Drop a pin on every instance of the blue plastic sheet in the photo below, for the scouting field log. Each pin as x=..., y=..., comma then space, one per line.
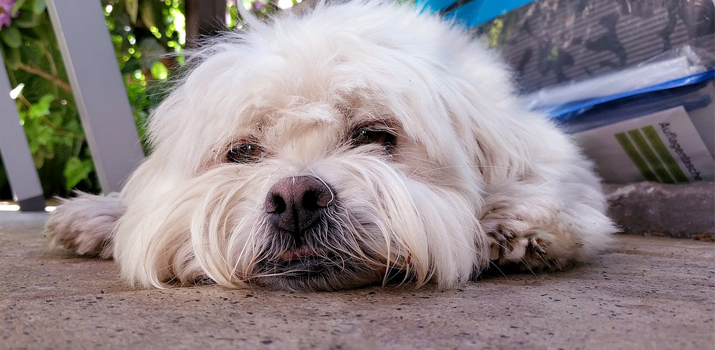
x=472, y=13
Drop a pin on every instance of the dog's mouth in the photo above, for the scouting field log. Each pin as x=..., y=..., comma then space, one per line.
x=322, y=259
x=303, y=260
x=307, y=268
x=297, y=254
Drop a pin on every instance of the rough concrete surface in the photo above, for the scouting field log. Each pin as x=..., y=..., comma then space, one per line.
x=646, y=293
x=650, y=208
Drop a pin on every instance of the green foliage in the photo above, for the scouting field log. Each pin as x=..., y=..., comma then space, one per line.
x=45, y=103
x=148, y=38
x=76, y=170
x=143, y=33
x=261, y=8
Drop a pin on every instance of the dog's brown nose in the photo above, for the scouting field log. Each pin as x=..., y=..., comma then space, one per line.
x=294, y=203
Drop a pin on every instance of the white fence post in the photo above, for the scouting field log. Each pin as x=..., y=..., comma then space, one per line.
x=98, y=89
x=16, y=156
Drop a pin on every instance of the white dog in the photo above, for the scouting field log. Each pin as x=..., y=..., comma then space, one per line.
x=356, y=144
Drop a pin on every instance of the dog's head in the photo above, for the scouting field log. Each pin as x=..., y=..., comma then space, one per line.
x=337, y=149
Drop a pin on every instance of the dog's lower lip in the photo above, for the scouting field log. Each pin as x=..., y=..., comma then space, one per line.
x=296, y=254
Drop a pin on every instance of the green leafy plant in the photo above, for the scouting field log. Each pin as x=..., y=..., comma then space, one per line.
x=142, y=31
x=44, y=98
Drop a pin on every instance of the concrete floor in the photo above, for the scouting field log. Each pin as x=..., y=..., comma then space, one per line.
x=646, y=293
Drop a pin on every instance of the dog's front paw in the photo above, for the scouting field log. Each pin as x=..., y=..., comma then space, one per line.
x=85, y=224
x=516, y=241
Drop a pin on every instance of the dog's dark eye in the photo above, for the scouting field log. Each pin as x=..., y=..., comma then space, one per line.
x=245, y=153
x=373, y=134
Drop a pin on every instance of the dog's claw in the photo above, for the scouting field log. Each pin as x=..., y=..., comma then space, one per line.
x=494, y=254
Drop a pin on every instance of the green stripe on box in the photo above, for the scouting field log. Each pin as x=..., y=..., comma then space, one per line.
x=635, y=157
x=650, y=156
x=664, y=154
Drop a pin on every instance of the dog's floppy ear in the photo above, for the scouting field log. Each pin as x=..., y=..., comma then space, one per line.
x=484, y=110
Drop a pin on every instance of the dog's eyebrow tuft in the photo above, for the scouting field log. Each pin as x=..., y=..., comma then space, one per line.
x=346, y=111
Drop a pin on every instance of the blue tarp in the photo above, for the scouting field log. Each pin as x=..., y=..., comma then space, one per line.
x=569, y=110
x=475, y=12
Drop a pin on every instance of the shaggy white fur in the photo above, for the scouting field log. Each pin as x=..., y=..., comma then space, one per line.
x=360, y=143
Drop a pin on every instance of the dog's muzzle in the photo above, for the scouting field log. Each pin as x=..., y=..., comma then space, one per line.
x=312, y=246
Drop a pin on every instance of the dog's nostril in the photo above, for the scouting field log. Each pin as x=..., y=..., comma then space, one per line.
x=275, y=204
x=310, y=201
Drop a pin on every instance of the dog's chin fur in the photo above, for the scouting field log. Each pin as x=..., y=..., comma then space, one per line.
x=471, y=180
